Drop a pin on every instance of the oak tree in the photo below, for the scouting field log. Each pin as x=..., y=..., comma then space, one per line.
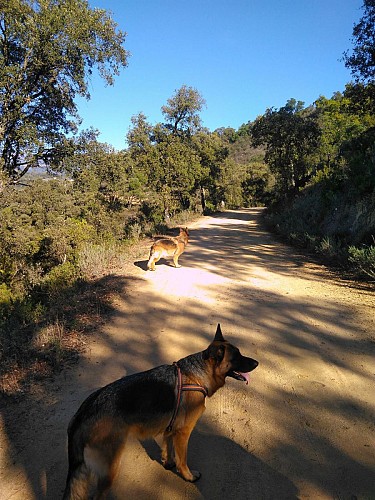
x=48, y=50
x=182, y=111
x=361, y=61
x=290, y=135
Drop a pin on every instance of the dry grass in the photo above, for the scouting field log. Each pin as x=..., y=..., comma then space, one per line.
x=37, y=351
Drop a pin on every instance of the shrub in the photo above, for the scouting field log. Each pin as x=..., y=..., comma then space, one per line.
x=50, y=342
x=329, y=246
x=5, y=300
x=98, y=260
x=363, y=259
x=209, y=208
x=60, y=278
x=152, y=212
x=133, y=231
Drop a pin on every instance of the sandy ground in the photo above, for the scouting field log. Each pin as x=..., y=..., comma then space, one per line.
x=303, y=427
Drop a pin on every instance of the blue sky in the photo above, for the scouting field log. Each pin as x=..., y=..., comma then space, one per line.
x=243, y=56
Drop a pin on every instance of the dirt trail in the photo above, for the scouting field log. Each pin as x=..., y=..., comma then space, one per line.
x=303, y=427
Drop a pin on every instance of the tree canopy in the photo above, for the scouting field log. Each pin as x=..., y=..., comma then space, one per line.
x=181, y=110
x=362, y=59
x=290, y=135
x=48, y=50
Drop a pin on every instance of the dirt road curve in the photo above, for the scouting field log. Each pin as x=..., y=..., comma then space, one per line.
x=303, y=427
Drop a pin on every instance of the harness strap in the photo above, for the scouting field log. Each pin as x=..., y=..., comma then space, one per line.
x=193, y=387
x=183, y=387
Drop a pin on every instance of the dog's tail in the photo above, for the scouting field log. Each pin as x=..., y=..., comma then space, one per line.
x=76, y=485
x=79, y=474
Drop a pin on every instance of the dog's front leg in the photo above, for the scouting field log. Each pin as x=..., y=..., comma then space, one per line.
x=167, y=458
x=175, y=261
x=180, y=441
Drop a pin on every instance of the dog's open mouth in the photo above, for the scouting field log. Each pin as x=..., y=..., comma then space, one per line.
x=243, y=377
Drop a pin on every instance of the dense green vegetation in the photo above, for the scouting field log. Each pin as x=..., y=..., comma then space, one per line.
x=323, y=157
x=313, y=166
x=323, y=161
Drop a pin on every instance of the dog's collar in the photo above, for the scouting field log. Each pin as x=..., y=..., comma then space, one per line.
x=180, y=388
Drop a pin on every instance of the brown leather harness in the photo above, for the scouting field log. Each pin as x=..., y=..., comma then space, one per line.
x=181, y=388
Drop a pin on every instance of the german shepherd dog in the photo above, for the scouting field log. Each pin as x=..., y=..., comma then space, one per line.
x=168, y=247
x=165, y=400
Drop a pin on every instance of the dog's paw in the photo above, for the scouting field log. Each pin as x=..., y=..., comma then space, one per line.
x=196, y=475
x=168, y=464
x=191, y=476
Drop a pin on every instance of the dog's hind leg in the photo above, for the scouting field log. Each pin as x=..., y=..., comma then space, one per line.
x=78, y=484
x=105, y=482
x=154, y=257
x=103, y=459
x=104, y=463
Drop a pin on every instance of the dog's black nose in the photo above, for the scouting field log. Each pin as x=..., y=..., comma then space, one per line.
x=254, y=363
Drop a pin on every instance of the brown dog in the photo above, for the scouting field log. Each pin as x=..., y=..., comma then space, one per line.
x=165, y=400
x=168, y=247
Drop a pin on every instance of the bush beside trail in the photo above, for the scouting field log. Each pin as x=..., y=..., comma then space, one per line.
x=335, y=224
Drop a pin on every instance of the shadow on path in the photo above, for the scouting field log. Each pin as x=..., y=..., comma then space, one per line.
x=304, y=427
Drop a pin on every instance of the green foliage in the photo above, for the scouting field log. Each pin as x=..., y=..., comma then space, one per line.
x=176, y=159
x=6, y=298
x=59, y=279
x=362, y=60
x=258, y=184
x=107, y=174
x=363, y=259
x=176, y=168
x=329, y=246
x=212, y=152
x=331, y=223
x=359, y=153
x=28, y=219
x=227, y=134
x=346, y=141
x=181, y=111
x=229, y=184
x=60, y=243
x=290, y=135
x=151, y=210
x=210, y=208
x=48, y=50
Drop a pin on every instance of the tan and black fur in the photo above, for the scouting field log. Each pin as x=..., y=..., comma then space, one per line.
x=143, y=404
x=168, y=247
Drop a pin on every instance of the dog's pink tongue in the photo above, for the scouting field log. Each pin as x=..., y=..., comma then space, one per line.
x=246, y=377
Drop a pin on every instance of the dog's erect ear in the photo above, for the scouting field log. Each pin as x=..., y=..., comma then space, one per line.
x=218, y=335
